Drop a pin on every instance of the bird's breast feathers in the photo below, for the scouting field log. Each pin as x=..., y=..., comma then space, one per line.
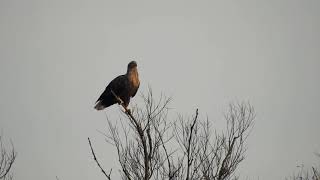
x=134, y=80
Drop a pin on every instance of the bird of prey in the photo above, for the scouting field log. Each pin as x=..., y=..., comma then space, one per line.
x=124, y=87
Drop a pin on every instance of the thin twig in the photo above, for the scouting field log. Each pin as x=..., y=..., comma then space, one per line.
x=95, y=158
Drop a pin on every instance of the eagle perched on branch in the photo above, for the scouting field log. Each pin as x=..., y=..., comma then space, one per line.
x=123, y=87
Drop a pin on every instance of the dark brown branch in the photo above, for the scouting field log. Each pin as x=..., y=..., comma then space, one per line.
x=315, y=173
x=144, y=144
x=108, y=176
x=189, y=160
x=118, y=98
x=141, y=136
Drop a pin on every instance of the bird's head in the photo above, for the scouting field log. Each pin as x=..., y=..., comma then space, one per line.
x=132, y=65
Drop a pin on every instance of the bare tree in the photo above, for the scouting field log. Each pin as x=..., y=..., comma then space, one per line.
x=213, y=155
x=154, y=147
x=7, y=158
x=306, y=174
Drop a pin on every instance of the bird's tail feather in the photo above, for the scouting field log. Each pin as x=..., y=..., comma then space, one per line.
x=99, y=106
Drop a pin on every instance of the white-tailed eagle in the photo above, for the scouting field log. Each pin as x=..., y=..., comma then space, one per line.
x=124, y=86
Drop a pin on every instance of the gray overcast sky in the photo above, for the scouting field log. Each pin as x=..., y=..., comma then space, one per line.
x=57, y=56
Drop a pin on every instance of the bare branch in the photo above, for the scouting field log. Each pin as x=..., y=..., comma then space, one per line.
x=189, y=159
x=108, y=176
x=214, y=157
x=145, y=149
x=7, y=159
x=306, y=174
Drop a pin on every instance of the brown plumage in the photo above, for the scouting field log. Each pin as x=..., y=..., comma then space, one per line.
x=124, y=86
